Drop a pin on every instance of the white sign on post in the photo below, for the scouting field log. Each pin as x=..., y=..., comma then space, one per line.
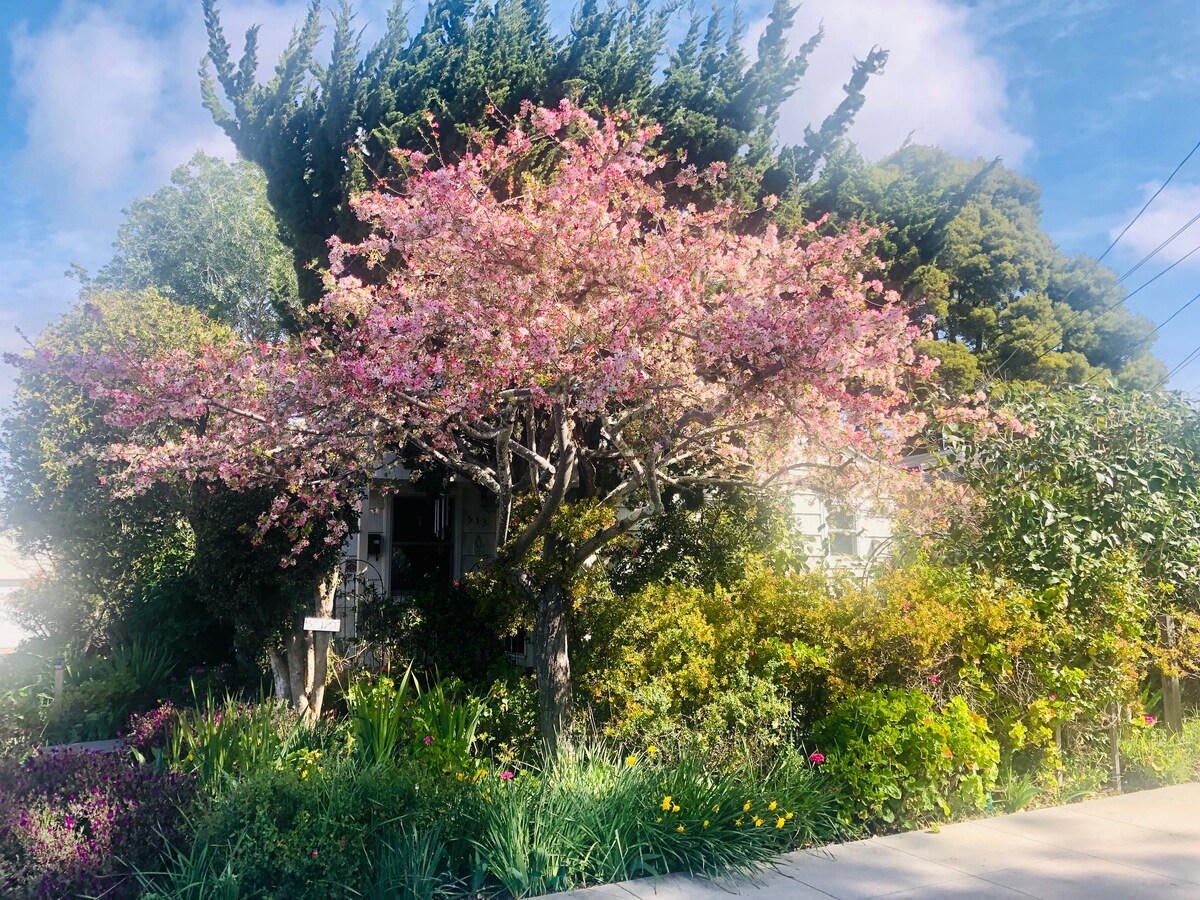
x=316, y=623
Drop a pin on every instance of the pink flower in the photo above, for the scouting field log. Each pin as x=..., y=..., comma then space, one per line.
x=506, y=776
x=1150, y=720
x=934, y=679
x=1054, y=696
x=314, y=854
x=816, y=758
x=428, y=740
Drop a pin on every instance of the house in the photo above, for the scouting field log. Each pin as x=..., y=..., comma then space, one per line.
x=408, y=535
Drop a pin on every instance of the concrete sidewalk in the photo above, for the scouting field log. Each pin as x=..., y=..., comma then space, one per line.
x=1142, y=845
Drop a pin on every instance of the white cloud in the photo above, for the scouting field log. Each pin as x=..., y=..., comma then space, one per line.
x=938, y=85
x=1169, y=212
x=89, y=85
x=110, y=94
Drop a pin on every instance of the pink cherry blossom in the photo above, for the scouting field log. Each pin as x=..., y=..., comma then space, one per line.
x=527, y=332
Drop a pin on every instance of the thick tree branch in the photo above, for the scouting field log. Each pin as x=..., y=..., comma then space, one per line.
x=558, y=490
x=481, y=475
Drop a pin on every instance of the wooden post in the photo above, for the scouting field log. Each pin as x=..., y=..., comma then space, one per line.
x=58, y=681
x=1114, y=746
x=1058, y=746
x=1172, y=703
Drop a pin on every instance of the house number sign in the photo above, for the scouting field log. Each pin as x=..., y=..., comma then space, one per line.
x=316, y=623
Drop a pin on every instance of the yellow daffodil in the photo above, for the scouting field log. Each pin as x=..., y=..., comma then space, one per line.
x=675, y=808
x=780, y=821
x=746, y=806
x=757, y=822
x=679, y=829
x=651, y=750
x=772, y=806
x=706, y=823
x=630, y=760
x=666, y=804
x=737, y=821
x=716, y=807
x=789, y=816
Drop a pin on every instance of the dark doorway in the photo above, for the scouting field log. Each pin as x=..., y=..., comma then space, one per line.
x=422, y=543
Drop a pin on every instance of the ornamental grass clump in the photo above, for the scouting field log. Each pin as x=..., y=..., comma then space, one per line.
x=379, y=713
x=224, y=742
x=592, y=817
x=76, y=823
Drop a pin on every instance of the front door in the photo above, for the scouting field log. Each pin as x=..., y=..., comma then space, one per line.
x=422, y=543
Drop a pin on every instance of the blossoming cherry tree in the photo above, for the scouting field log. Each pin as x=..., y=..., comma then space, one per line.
x=547, y=318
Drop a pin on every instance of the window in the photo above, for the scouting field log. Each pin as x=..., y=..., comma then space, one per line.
x=841, y=529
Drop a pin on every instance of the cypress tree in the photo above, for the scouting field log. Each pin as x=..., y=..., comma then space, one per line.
x=321, y=132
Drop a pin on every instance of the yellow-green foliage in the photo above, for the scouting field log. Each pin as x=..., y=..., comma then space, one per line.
x=775, y=650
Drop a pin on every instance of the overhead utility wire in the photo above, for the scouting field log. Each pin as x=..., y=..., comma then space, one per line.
x=1146, y=205
x=1157, y=328
x=1108, y=290
x=1162, y=187
x=1137, y=290
x=1187, y=361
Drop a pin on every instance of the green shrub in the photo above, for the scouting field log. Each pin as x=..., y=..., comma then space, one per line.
x=26, y=695
x=766, y=657
x=284, y=834
x=899, y=760
x=100, y=692
x=508, y=724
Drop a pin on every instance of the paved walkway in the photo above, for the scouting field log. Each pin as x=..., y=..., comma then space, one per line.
x=1142, y=845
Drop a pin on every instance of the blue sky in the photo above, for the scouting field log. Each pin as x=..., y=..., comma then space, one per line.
x=1097, y=99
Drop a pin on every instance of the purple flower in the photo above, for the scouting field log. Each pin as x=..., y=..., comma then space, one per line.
x=816, y=758
x=506, y=776
x=428, y=739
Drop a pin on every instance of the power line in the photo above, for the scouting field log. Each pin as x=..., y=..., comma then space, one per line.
x=1187, y=361
x=1112, y=244
x=1141, y=262
x=1120, y=300
x=1157, y=328
x=1146, y=205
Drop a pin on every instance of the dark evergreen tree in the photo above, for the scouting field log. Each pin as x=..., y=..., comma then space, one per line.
x=322, y=132
x=963, y=243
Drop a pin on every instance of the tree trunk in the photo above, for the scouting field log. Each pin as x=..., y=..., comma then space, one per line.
x=301, y=667
x=279, y=674
x=551, y=643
